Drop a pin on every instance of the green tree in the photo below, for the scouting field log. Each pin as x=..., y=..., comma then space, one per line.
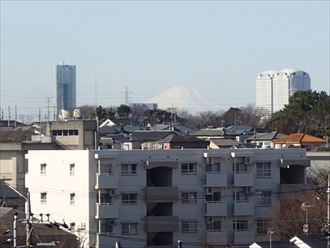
x=123, y=111
x=307, y=112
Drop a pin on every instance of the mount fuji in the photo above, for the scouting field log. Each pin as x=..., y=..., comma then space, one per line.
x=182, y=98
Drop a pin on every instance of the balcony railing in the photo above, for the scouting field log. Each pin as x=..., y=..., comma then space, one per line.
x=106, y=181
x=107, y=211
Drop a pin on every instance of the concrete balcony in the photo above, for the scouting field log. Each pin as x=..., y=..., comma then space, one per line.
x=243, y=179
x=244, y=208
x=216, y=209
x=107, y=211
x=106, y=181
x=161, y=194
x=217, y=238
x=244, y=237
x=161, y=224
x=216, y=180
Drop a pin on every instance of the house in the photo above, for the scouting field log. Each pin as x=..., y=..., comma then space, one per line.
x=264, y=140
x=311, y=143
x=43, y=234
x=209, y=133
x=239, y=132
x=224, y=143
x=152, y=198
x=183, y=142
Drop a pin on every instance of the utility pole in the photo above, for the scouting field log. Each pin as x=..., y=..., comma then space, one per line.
x=48, y=108
x=27, y=217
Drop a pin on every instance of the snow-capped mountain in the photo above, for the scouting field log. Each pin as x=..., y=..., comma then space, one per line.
x=182, y=98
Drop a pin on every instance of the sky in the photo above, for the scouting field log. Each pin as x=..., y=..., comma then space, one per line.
x=216, y=47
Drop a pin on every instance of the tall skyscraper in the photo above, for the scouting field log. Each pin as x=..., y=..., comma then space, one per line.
x=65, y=87
x=274, y=88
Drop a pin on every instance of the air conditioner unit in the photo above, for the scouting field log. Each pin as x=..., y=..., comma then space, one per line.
x=208, y=160
x=112, y=192
x=209, y=190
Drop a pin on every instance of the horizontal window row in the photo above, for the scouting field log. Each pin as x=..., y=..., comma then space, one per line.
x=213, y=224
x=43, y=169
x=70, y=132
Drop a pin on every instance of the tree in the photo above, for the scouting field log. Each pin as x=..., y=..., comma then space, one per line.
x=307, y=112
x=290, y=217
x=123, y=111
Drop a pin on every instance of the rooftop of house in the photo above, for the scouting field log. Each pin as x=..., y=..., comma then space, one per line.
x=41, y=233
x=144, y=135
x=225, y=142
x=266, y=136
x=209, y=132
x=182, y=139
x=299, y=138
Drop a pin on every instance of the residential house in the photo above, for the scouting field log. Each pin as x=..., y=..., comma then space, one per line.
x=311, y=143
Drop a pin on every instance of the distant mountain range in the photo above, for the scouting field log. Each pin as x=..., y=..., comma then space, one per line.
x=182, y=98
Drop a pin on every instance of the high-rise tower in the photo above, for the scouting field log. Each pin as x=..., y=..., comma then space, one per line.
x=274, y=88
x=65, y=87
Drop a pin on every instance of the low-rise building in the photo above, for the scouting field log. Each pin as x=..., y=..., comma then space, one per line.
x=152, y=198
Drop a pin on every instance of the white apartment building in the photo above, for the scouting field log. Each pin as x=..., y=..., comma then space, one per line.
x=274, y=87
x=152, y=198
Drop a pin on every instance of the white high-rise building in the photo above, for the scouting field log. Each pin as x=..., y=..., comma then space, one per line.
x=65, y=87
x=274, y=88
x=153, y=198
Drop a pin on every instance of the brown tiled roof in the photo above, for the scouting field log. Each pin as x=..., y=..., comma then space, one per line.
x=299, y=138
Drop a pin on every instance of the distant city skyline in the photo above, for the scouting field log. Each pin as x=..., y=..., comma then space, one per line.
x=215, y=47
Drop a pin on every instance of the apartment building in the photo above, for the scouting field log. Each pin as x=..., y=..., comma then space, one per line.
x=152, y=198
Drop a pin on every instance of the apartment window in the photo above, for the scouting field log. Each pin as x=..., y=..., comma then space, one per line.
x=240, y=225
x=213, y=224
x=43, y=198
x=106, y=196
x=129, y=228
x=240, y=167
x=263, y=170
x=189, y=226
x=72, y=169
x=213, y=168
x=188, y=168
x=107, y=225
x=72, y=226
x=241, y=196
x=43, y=169
x=262, y=226
x=189, y=197
x=128, y=198
x=265, y=198
x=128, y=169
x=213, y=195
x=72, y=198
x=106, y=168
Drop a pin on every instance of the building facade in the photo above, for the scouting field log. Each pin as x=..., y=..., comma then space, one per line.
x=274, y=88
x=65, y=87
x=152, y=198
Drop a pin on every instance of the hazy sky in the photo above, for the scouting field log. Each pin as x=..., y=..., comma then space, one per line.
x=216, y=47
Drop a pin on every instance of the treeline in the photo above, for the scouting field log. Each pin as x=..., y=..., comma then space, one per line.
x=307, y=111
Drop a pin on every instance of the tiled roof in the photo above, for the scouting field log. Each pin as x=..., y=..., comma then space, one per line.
x=150, y=135
x=299, y=138
x=225, y=142
x=209, y=132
